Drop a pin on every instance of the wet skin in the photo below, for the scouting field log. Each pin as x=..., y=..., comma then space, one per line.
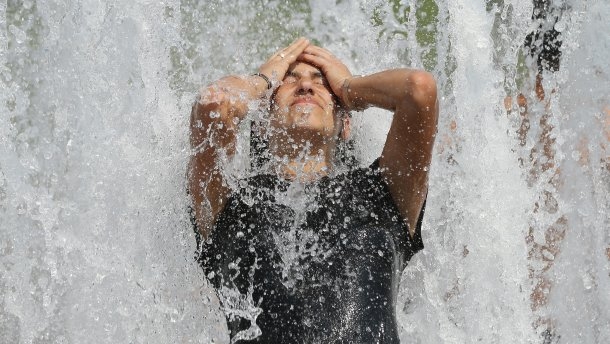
x=304, y=124
x=304, y=100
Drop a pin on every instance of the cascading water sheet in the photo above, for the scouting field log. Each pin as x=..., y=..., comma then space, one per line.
x=96, y=245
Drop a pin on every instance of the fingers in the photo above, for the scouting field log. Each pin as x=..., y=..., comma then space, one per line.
x=298, y=46
x=291, y=52
x=334, y=69
x=276, y=66
x=321, y=58
x=320, y=52
x=315, y=60
x=320, y=55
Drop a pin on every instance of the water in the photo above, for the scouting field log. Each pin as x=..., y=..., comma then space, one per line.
x=95, y=241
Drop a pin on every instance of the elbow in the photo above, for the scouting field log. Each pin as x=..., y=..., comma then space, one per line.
x=221, y=101
x=420, y=95
x=211, y=106
x=210, y=99
x=422, y=89
x=419, y=103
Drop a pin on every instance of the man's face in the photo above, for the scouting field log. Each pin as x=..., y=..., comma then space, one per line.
x=304, y=101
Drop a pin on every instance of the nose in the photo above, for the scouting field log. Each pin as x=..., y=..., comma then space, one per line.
x=305, y=86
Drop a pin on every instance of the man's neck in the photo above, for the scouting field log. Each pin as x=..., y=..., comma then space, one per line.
x=303, y=171
x=303, y=163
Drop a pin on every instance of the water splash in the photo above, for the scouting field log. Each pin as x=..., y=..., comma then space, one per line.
x=95, y=240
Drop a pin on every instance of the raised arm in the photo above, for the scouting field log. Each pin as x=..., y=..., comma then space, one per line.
x=214, y=125
x=411, y=96
x=406, y=156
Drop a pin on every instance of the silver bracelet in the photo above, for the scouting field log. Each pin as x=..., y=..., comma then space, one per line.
x=345, y=91
x=269, y=84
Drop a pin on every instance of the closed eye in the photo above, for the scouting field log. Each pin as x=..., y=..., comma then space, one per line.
x=290, y=78
x=317, y=78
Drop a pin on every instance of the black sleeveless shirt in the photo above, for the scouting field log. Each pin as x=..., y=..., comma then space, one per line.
x=317, y=263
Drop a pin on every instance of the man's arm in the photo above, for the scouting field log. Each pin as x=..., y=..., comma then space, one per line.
x=411, y=95
x=406, y=156
x=214, y=125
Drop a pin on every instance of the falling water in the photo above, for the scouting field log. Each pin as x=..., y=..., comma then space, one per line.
x=95, y=240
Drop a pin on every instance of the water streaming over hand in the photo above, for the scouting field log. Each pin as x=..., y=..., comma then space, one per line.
x=95, y=240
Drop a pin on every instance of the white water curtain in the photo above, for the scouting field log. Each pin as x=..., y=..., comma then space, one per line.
x=95, y=240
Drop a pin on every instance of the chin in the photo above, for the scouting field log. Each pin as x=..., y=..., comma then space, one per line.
x=312, y=130
x=309, y=122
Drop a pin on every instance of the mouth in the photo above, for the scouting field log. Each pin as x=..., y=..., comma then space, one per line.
x=305, y=101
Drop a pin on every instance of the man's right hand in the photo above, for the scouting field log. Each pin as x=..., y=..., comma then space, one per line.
x=277, y=65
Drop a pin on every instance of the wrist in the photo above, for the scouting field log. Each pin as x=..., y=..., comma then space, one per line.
x=350, y=98
x=265, y=78
x=260, y=82
x=345, y=94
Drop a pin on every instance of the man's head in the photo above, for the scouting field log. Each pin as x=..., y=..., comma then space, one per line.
x=304, y=106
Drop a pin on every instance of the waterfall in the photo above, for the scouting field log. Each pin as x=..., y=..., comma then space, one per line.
x=96, y=244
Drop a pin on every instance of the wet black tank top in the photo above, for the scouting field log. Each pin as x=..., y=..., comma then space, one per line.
x=316, y=263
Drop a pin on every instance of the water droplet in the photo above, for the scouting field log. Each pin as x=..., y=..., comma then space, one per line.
x=560, y=26
x=22, y=208
x=588, y=280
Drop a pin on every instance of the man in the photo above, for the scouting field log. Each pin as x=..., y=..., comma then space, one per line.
x=302, y=253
